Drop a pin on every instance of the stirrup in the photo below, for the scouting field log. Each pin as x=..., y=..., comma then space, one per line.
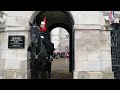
x=51, y=59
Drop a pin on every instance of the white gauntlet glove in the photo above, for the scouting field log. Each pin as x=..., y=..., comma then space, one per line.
x=41, y=36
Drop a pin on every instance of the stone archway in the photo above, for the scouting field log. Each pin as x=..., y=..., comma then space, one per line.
x=58, y=19
x=92, y=44
x=34, y=14
x=88, y=35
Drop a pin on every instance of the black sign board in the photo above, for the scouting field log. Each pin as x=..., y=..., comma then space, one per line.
x=16, y=41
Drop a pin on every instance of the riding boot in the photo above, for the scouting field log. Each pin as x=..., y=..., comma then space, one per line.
x=51, y=58
x=48, y=57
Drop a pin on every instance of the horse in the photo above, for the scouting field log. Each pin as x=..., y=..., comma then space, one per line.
x=39, y=57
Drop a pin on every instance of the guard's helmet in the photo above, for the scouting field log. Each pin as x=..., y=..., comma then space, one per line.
x=42, y=22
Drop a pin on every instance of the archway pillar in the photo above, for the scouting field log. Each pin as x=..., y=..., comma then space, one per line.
x=92, y=58
x=14, y=61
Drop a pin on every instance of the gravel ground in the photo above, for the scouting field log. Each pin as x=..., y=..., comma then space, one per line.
x=60, y=69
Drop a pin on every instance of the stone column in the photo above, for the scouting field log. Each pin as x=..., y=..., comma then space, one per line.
x=92, y=52
x=14, y=61
x=2, y=54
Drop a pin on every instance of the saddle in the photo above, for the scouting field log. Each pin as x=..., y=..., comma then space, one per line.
x=49, y=46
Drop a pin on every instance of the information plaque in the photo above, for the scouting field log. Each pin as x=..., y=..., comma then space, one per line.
x=16, y=41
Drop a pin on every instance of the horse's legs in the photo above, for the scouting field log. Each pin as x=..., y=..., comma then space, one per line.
x=40, y=71
x=43, y=69
x=36, y=74
x=39, y=74
x=45, y=74
x=31, y=74
x=47, y=66
x=33, y=67
x=35, y=70
x=49, y=69
x=32, y=70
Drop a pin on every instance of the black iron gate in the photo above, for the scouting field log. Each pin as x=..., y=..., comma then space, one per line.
x=115, y=49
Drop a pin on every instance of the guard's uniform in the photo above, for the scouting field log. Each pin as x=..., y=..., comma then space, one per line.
x=49, y=45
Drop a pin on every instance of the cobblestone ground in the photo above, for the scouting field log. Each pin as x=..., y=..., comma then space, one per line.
x=60, y=69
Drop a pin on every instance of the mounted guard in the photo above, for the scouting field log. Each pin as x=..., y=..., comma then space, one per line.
x=45, y=34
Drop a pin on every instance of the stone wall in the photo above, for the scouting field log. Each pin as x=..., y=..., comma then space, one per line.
x=92, y=46
x=92, y=53
x=13, y=61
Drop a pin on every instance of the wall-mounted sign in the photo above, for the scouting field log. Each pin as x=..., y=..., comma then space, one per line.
x=16, y=41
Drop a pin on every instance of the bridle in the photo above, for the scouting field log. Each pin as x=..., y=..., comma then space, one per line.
x=34, y=49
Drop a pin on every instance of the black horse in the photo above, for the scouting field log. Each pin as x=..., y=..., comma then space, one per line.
x=40, y=63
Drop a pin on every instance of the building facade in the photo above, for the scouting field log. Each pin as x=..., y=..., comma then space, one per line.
x=87, y=29
x=62, y=44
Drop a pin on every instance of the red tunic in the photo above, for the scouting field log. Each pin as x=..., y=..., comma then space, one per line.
x=43, y=29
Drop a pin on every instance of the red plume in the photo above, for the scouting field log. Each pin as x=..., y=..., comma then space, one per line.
x=45, y=21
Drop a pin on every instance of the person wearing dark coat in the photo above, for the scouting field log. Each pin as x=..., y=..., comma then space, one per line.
x=46, y=34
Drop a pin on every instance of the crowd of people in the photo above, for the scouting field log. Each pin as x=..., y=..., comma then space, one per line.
x=57, y=55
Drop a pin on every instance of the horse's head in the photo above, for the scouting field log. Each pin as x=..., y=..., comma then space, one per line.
x=34, y=33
